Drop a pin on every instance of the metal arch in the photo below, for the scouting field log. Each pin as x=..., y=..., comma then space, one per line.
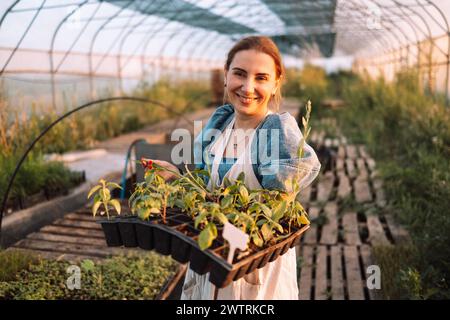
x=114, y=42
x=94, y=38
x=151, y=35
x=408, y=21
x=23, y=35
x=190, y=36
x=168, y=21
x=392, y=31
x=401, y=32
x=193, y=31
x=447, y=30
x=378, y=36
x=123, y=40
x=57, y=6
x=214, y=57
x=427, y=27
x=403, y=38
x=212, y=6
x=55, y=32
x=164, y=46
x=243, y=10
x=213, y=45
x=164, y=23
x=309, y=14
x=430, y=36
x=88, y=21
x=207, y=40
x=213, y=35
x=183, y=43
x=398, y=28
x=401, y=6
x=8, y=11
x=162, y=49
x=391, y=23
x=430, y=3
x=127, y=26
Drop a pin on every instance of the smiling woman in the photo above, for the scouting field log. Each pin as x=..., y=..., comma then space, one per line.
x=238, y=138
x=248, y=130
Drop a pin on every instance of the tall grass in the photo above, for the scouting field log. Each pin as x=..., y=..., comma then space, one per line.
x=309, y=83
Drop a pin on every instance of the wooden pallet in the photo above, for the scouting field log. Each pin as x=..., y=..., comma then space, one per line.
x=334, y=255
x=75, y=237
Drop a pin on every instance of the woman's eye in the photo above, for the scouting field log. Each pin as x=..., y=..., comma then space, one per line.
x=239, y=74
x=261, y=78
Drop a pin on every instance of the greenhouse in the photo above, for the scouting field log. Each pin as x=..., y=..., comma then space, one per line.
x=199, y=149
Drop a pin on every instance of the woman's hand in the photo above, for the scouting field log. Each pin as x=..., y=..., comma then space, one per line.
x=166, y=175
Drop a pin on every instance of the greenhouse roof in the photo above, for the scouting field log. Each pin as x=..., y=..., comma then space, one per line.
x=185, y=12
x=295, y=15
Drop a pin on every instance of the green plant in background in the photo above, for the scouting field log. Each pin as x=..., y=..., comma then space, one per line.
x=13, y=261
x=309, y=83
x=135, y=276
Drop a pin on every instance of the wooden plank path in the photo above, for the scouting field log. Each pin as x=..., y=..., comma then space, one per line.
x=342, y=204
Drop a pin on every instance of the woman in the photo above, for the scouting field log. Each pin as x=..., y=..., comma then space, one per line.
x=237, y=138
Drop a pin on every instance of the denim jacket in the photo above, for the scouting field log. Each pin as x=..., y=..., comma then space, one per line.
x=274, y=149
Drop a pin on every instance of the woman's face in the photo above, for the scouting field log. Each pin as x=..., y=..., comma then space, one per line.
x=250, y=82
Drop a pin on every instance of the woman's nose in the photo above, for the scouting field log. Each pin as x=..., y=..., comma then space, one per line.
x=248, y=86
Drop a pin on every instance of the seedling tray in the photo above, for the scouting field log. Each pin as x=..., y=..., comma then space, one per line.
x=178, y=238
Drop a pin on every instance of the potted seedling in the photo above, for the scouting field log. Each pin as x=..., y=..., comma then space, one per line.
x=117, y=231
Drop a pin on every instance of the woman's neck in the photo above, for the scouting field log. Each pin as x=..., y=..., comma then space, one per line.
x=248, y=122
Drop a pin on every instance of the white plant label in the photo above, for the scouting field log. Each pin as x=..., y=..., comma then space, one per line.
x=236, y=238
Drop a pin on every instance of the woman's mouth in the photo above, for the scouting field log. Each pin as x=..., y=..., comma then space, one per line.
x=246, y=99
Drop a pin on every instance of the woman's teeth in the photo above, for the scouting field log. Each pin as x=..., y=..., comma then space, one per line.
x=245, y=99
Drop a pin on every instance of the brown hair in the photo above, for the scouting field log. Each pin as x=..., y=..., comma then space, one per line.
x=267, y=46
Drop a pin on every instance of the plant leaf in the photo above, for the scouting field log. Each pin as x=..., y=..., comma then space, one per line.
x=116, y=204
x=87, y=265
x=244, y=194
x=226, y=201
x=205, y=238
x=114, y=185
x=221, y=217
x=266, y=210
x=303, y=219
x=278, y=211
x=106, y=195
x=92, y=191
x=95, y=207
x=257, y=239
x=266, y=232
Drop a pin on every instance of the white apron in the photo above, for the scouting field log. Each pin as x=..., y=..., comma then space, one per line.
x=277, y=279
